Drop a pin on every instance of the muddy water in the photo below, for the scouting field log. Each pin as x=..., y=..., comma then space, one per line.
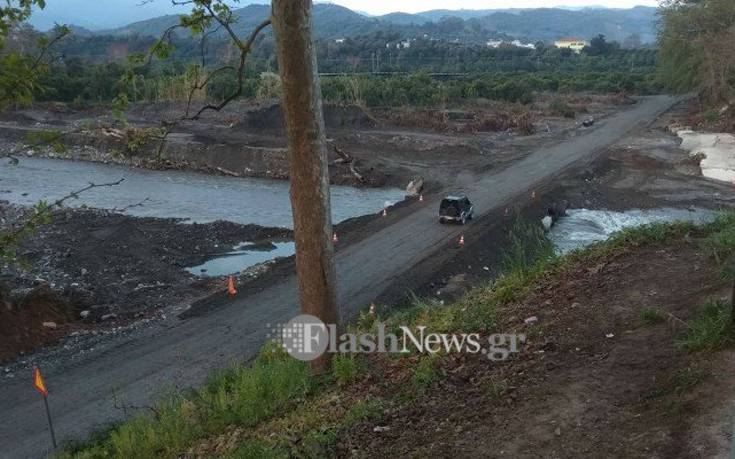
x=582, y=227
x=197, y=197
x=241, y=257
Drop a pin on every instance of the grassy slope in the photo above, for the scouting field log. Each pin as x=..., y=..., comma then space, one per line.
x=276, y=408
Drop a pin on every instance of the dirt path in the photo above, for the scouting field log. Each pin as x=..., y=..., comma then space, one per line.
x=182, y=353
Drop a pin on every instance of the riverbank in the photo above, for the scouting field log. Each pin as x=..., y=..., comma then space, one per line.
x=388, y=148
x=92, y=268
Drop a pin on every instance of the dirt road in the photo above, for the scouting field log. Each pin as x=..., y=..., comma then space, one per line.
x=87, y=393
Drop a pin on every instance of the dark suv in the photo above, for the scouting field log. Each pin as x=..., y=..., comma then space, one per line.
x=455, y=208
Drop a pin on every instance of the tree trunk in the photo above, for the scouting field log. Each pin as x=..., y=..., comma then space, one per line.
x=302, y=109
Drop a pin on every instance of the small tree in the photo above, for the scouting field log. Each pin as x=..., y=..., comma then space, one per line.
x=696, y=48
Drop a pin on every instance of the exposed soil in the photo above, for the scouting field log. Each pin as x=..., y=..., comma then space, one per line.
x=97, y=266
x=593, y=380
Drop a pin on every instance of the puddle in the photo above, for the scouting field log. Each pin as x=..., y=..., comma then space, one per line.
x=582, y=227
x=242, y=256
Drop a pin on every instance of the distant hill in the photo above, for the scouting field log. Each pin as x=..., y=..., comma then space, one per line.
x=330, y=20
x=546, y=24
x=549, y=24
x=403, y=19
x=435, y=15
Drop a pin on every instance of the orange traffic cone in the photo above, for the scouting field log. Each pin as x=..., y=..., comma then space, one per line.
x=231, y=290
x=533, y=194
x=385, y=212
x=335, y=239
x=372, y=309
x=461, y=240
x=421, y=198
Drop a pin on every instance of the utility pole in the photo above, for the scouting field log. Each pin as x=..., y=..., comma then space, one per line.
x=302, y=108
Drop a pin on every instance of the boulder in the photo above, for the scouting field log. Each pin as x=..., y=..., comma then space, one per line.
x=415, y=186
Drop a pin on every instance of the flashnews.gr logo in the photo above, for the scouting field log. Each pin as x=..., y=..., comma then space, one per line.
x=305, y=338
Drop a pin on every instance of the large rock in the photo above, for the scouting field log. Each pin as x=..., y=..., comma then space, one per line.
x=415, y=187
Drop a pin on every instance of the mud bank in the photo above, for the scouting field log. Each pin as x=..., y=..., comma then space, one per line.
x=247, y=140
x=97, y=267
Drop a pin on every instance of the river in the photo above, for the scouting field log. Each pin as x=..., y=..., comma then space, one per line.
x=193, y=196
x=582, y=227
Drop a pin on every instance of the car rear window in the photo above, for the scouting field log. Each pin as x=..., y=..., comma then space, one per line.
x=449, y=207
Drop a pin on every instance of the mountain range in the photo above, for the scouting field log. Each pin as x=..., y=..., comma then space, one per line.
x=544, y=24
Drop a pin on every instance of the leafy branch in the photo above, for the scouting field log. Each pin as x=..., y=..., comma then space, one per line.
x=206, y=18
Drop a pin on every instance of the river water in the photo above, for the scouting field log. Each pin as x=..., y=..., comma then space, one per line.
x=193, y=196
x=582, y=227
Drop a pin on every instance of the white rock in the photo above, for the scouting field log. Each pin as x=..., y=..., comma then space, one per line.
x=530, y=320
x=51, y=325
x=84, y=314
x=718, y=151
x=547, y=221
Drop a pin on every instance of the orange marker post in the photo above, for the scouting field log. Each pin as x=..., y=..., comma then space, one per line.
x=335, y=239
x=385, y=212
x=231, y=290
x=40, y=386
x=461, y=240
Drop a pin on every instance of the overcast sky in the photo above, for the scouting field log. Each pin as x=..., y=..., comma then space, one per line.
x=102, y=14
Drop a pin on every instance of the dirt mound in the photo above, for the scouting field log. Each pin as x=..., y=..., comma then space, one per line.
x=594, y=379
x=335, y=117
x=22, y=321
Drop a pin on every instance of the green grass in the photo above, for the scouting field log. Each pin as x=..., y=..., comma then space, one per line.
x=346, y=368
x=720, y=242
x=496, y=389
x=680, y=383
x=651, y=316
x=426, y=373
x=710, y=330
x=242, y=396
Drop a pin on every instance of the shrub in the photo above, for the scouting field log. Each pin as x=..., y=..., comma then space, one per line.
x=346, y=368
x=560, y=107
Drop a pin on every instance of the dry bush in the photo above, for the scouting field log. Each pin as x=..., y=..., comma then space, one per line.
x=499, y=120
